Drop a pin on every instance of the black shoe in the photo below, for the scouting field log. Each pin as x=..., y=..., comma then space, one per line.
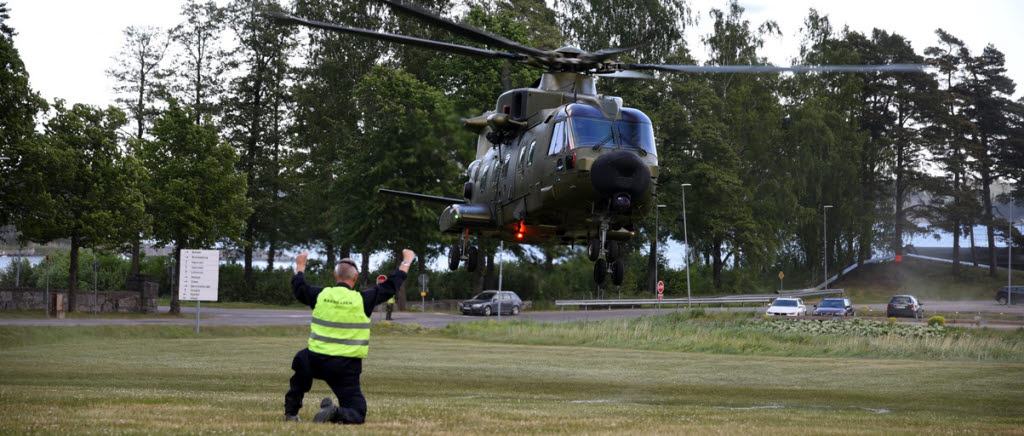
x=292, y=418
x=328, y=411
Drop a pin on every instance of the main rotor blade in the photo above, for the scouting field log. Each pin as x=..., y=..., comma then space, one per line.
x=391, y=37
x=626, y=74
x=891, y=68
x=608, y=53
x=463, y=30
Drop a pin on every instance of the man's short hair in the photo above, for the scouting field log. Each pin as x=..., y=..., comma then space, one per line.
x=346, y=269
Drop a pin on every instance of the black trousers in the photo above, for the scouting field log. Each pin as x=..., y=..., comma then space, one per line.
x=340, y=373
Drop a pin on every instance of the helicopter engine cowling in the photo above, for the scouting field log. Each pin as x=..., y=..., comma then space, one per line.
x=619, y=173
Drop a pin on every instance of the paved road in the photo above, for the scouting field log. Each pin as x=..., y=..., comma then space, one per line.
x=302, y=317
x=964, y=307
x=254, y=317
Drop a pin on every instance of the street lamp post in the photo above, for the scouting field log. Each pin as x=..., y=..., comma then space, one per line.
x=686, y=253
x=825, y=220
x=1009, y=264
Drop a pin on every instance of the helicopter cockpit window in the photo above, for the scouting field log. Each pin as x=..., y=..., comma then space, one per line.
x=593, y=132
x=635, y=131
x=557, y=139
x=590, y=128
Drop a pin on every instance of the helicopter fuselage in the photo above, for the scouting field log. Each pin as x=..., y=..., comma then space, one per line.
x=555, y=161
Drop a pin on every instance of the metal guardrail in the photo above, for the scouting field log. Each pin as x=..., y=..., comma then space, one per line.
x=728, y=299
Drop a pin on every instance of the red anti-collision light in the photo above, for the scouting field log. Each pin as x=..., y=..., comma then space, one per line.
x=519, y=236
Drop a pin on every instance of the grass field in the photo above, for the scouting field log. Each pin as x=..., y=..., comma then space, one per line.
x=231, y=380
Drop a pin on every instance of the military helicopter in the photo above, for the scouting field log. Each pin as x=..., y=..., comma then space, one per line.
x=557, y=162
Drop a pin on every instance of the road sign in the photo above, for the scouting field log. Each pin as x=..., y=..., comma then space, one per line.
x=423, y=293
x=661, y=287
x=423, y=280
x=781, y=275
x=661, y=296
x=899, y=258
x=198, y=275
x=381, y=279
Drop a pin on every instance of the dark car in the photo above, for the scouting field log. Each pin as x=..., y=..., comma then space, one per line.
x=1016, y=297
x=490, y=302
x=904, y=305
x=834, y=307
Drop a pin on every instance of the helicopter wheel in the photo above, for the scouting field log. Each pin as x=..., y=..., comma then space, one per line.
x=594, y=249
x=454, y=255
x=472, y=257
x=612, y=251
x=618, y=271
x=600, y=271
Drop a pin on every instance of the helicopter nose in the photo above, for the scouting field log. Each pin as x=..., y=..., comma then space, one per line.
x=620, y=172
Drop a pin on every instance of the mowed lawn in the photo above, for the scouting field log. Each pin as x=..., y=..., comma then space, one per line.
x=232, y=381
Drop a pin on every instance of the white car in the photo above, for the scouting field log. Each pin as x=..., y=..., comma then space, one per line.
x=787, y=307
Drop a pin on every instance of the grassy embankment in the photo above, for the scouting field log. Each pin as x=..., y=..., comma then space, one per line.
x=230, y=380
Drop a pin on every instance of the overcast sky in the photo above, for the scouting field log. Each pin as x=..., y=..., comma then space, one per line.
x=67, y=45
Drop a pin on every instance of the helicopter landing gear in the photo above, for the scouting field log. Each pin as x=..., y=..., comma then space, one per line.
x=594, y=249
x=472, y=258
x=602, y=251
x=618, y=272
x=612, y=249
x=463, y=251
x=600, y=271
x=454, y=256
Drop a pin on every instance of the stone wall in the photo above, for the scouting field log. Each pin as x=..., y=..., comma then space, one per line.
x=85, y=301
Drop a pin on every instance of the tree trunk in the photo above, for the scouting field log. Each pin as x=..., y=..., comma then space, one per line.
x=986, y=194
x=175, y=303
x=652, y=268
x=134, y=256
x=479, y=273
x=974, y=249
x=270, y=254
x=247, y=251
x=490, y=279
x=73, y=272
x=956, y=224
x=717, y=264
x=897, y=237
x=365, y=268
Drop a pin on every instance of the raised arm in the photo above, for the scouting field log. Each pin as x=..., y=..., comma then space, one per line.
x=303, y=292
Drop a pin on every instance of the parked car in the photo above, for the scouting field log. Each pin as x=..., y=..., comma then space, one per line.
x=489, y=302
x=904, y=305
x=787, y=307
x=833, y=307
x=1016, y=297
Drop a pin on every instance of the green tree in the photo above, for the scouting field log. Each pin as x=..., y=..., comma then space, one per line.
x=138, y=81
x=201, y=63
x=195, y=192
x=989, y=91
x=92, y=192
x=739, y=179
x=405, y=133
x=325, y=122
x=954, y=206
x=256, y=115
x=18, y=108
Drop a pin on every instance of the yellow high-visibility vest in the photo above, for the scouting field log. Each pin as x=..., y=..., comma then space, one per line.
x=391, y=300
x=340, y=326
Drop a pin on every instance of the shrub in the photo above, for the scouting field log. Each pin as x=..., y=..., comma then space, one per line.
x=937, y=320
x=892, y=320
